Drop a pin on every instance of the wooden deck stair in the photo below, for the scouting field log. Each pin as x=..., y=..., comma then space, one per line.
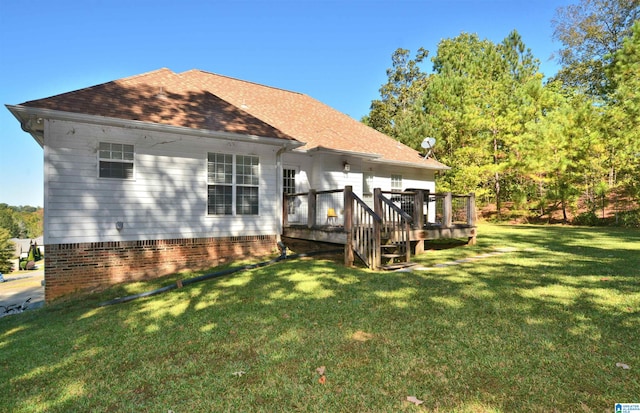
x=393, y=257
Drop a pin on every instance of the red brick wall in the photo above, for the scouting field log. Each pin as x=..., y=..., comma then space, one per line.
x=75, y=267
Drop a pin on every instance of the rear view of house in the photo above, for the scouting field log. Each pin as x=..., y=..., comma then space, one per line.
x=164, y=171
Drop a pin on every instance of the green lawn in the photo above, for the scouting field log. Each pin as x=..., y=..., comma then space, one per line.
x=537, y=329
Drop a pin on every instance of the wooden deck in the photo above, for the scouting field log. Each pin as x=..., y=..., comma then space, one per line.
x=383, y=232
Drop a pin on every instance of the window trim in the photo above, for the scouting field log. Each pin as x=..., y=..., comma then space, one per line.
x=238, y=172
x=131, y=161
x=396, y=179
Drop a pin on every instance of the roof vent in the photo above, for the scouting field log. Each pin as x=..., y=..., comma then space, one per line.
x=161, y=94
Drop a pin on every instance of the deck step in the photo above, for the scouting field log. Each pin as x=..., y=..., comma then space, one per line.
x=398, y=266
x=393, y=255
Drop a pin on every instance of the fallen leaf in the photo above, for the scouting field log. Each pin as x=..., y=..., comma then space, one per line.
x=361, y=336
x=320, y=370
x=322, y=379
x=238, y=373
x=414, y=400
x=624, y=366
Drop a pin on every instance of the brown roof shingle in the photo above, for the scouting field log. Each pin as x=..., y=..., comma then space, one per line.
x=203, y=100
x=160, y=97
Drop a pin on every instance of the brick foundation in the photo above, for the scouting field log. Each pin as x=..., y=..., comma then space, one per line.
x=75, y=267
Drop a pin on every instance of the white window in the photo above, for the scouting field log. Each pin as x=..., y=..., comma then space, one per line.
x=232, y=184
x=396, y=182
x=289, y=186
x=367, y=183
x=367, y=187
x=115, y=160
x=247, y=182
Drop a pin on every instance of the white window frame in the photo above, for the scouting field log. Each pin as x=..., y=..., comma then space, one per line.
x=238, y=176
x=396, y=182
x=288, y=189
x=114, y=153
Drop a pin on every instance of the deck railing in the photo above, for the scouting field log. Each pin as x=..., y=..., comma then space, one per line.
x=314, y=208
x=438, y=209
x=394, y=215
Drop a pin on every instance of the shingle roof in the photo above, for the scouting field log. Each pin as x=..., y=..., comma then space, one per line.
x=203, y=100
x=160, y=97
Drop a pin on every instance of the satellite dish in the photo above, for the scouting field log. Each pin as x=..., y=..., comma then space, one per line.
x=428, y=144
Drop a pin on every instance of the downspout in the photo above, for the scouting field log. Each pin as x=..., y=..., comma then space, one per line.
x=279, y=190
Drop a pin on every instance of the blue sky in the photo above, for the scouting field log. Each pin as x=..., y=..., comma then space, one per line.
x=335, y=51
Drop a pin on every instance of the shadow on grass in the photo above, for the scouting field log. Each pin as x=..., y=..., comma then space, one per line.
x=539, y=329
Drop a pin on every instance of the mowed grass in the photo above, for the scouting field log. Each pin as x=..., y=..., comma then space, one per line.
x=540, y=328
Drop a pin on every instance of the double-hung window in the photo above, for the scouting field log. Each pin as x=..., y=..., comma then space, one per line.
x=115, y=160
x=232, y=184
x=396, y=182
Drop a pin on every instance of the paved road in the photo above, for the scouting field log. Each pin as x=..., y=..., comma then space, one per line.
x=20, y=285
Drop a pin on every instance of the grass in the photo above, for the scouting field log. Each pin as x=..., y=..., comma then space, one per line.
x=537, y=329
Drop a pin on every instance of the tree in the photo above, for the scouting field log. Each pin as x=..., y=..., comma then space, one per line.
x=8, y=220
x=591, y=32
x=391, y=114
x=476, y=104
x=21, y=221
x=7, y=251
x=623, y=114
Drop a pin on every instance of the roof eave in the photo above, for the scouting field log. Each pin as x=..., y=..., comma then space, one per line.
x=29, y=122
x=438, y=167
x=28, y=115
x=366, y=155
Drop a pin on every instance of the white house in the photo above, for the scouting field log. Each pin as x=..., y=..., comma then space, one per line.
x=163, y=171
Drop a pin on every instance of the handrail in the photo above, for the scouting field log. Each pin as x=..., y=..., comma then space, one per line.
x=366, y=233
x=366, y=207
x=397, y=209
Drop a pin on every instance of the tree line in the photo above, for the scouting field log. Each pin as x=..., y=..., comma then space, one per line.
x=531, y=147
x=21, y=221
x=17, y=222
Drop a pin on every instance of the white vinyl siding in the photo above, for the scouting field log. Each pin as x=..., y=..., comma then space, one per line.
x=166, y=200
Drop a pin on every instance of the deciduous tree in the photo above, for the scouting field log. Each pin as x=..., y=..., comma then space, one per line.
x=591, y=32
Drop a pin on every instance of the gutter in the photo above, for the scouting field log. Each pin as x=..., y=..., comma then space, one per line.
x=376, y=158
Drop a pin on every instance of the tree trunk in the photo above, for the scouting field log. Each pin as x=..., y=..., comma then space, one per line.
x=497, y=175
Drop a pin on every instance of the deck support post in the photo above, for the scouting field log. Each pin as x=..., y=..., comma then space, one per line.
x=418, y=209
x=377, y=227
x=471, y=210
x=471, y=217
x=348, y=225
x=447, y=210
x=311, y=209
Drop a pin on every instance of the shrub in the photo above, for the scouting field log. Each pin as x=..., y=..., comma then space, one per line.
x=629, y=218
x=586, y=218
